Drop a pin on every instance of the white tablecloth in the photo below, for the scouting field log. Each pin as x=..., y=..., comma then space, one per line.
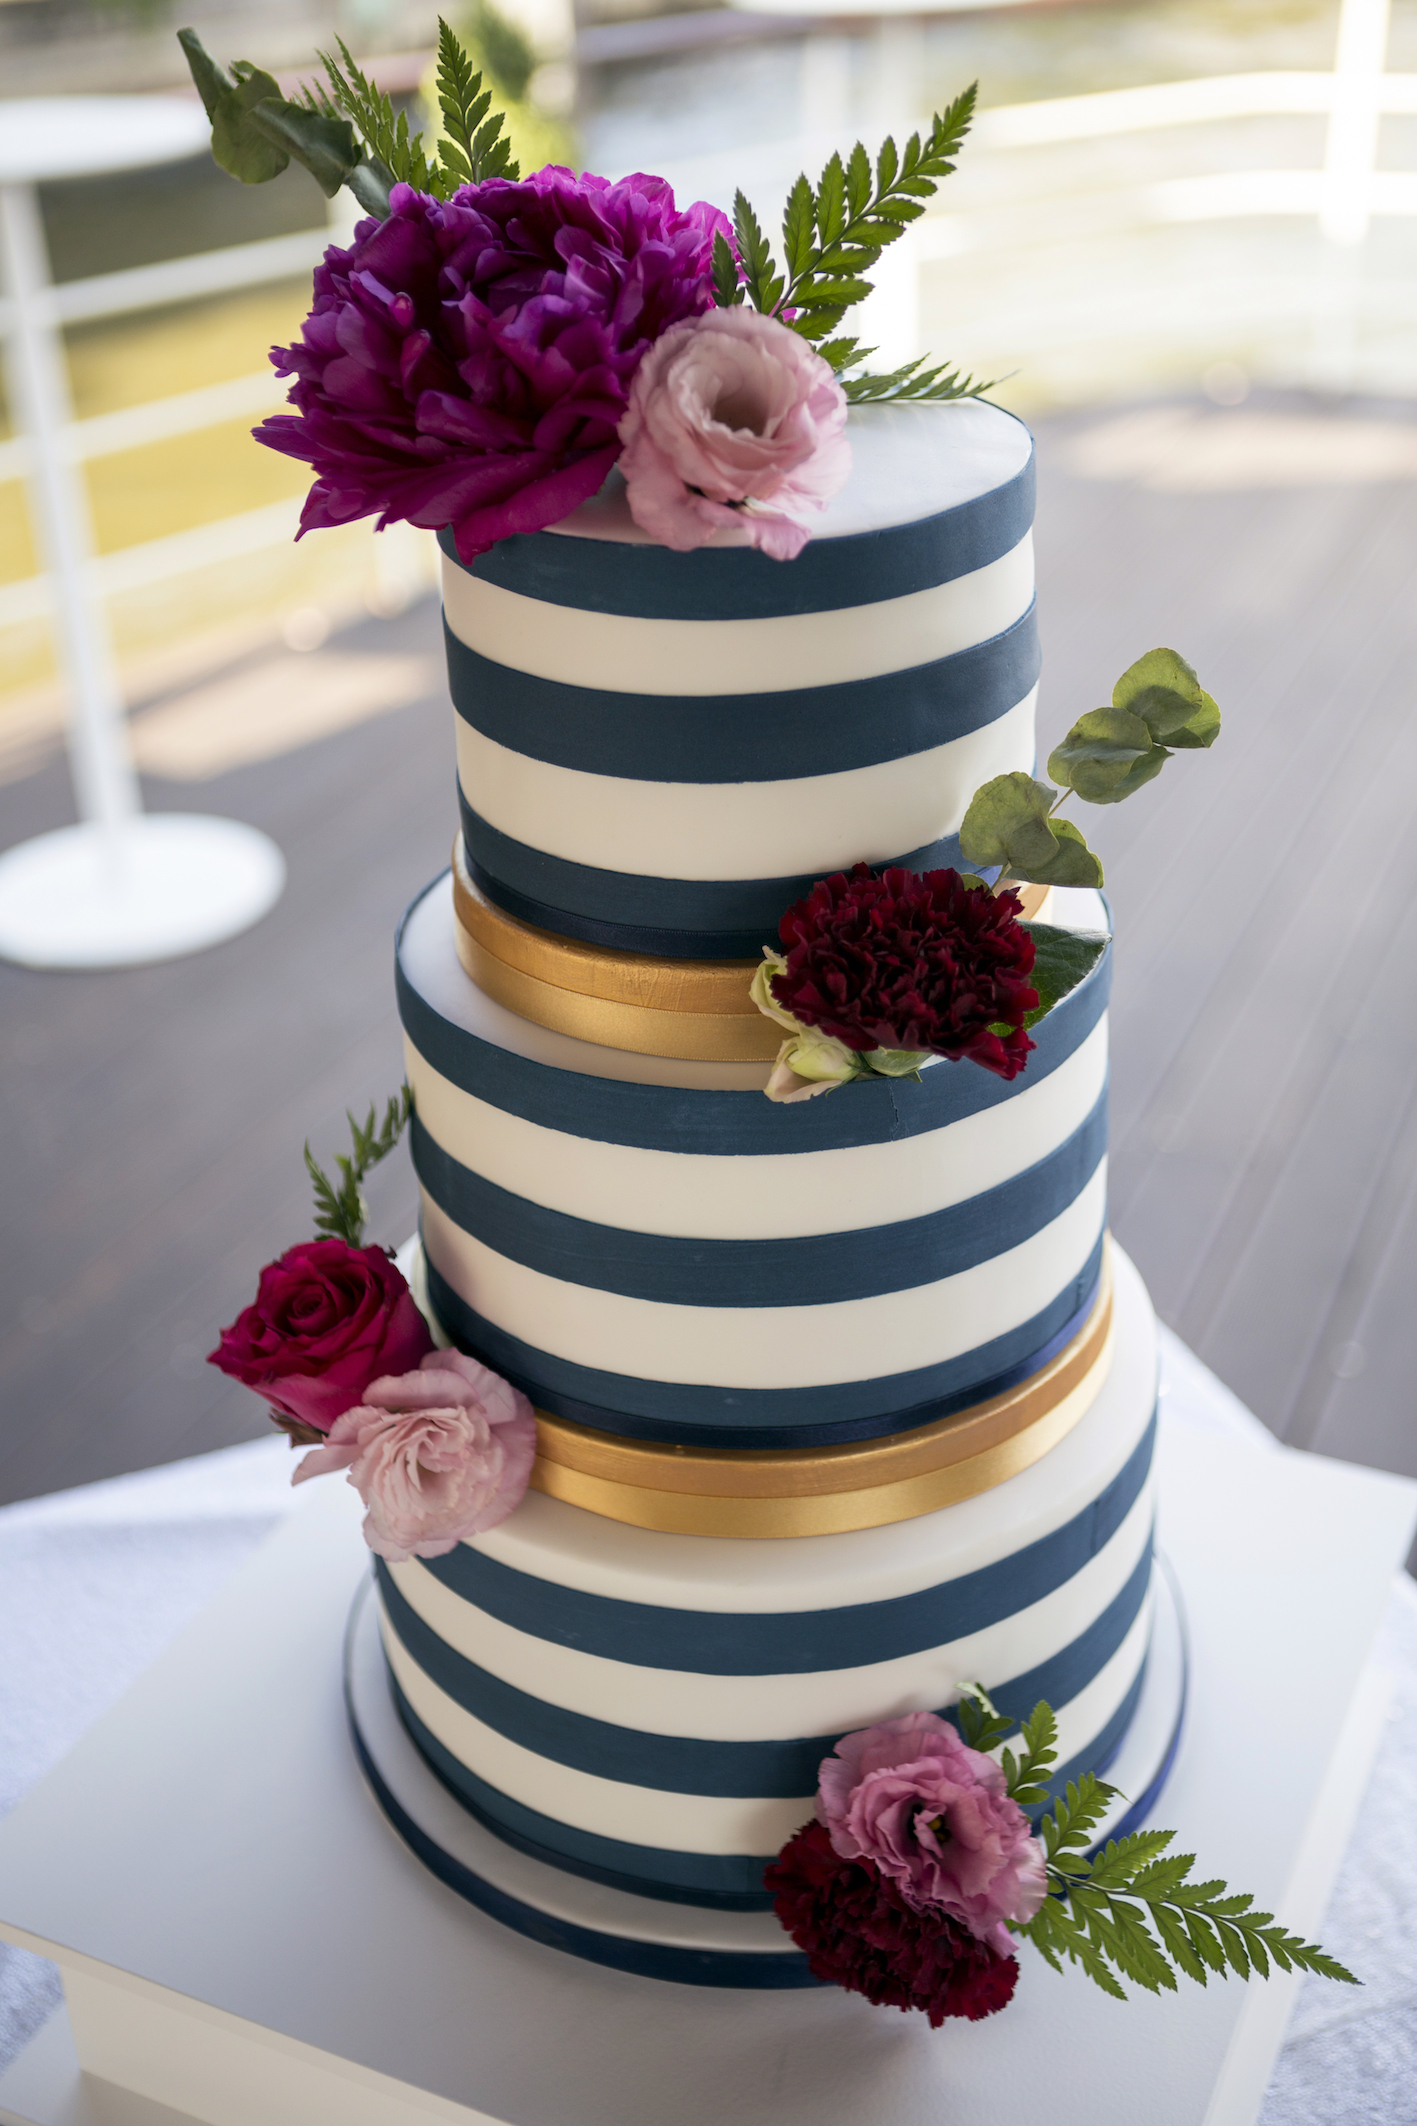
x=95, y=1582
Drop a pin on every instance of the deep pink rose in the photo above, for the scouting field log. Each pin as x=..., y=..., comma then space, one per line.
x=935, y=1817
x=326, y=1320
x=437, y=1455
x=467, y=361
x=734, y=424
x=859, y=1932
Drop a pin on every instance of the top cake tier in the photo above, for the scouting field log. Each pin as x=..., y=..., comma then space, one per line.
x=660, y=752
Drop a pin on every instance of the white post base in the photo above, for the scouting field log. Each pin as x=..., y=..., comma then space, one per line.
x=150, y=888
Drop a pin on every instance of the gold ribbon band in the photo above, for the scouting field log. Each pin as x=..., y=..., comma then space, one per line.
x=694, y=1010
x=828, y=1490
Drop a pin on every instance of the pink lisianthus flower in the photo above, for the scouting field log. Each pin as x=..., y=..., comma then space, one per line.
x=734, y=424
x=934, y=1816
x=436, y=1455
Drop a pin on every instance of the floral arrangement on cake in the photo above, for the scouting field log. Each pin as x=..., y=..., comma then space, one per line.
x=922, y=1869
x=881, y=974
x=438, y=1446
x=491, y=346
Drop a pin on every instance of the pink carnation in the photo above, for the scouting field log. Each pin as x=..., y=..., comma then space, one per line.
x=733, y=424
x=934, y=1816
x=436, y=1455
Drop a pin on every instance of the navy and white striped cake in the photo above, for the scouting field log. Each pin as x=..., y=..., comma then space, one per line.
x=650, y=1710
x=660, y=751
x=657, y=753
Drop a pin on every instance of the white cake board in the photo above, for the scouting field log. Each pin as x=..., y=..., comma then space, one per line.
x=246, y=1943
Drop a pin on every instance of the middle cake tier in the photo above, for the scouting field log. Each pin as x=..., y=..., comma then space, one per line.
x=650, y=1248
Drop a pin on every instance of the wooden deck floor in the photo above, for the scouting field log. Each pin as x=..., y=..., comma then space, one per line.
x=1265, y=1029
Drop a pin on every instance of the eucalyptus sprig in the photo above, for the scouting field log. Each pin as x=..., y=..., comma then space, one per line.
x=342, y=1210
x=833, y=235
x=1158, y=707
x=1131, y=1910
x=345, y=131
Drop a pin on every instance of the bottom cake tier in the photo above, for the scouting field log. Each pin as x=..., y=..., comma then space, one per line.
x=649, y=1710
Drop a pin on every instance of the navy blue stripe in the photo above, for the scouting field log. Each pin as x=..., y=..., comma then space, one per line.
x=729, y=738
x=690, y=1119
x=691, y=1414
x=809, y=1269
x=683, y=1764
x=738, y=583
x=724, y=1881
x=796, y=1642
x=724, y=919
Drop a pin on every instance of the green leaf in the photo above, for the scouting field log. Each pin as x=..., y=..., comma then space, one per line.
x=240, y=143
x=1163, y=690
x=326, y=147
x=981, y=1725
x=1107, y=755
x=1062, y=959
x=342, y=1210
x=1008, y=824
x=474, y=148
x=764, y=284
x=831, y=202
x=797, y=223
x=858, y=182
x=728, y=289
x=390, y=148
x=913, y=381
x=213, y=81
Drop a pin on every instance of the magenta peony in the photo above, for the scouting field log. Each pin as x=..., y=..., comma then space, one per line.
x=734, y=424
x=326, y=1320
x=911, y=962
x=467, y=363
x=935, y=1818
x=437, y=1455
x=859, y=1931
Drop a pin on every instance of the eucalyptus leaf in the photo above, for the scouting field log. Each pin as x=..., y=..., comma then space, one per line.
x=1108, y=754
x=240, y=144
x=1163, y=690
x=325, y=146
x=212, y=80
x=1007, y=825
x=1062, y=959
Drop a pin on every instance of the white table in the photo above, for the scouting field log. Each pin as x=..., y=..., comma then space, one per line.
x=120, y=887
x=102, y=1578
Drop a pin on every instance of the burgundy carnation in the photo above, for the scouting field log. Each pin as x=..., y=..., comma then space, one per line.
x=859, y=1932
x=467, y=362
x=327, y=1319
x=911, y=961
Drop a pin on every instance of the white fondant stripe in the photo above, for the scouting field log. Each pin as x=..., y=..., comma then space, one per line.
x=764, y=1196
x=771, y=1347
x=550, y=1540
x=692, y=1823
x=698, y=657
x=662, y=1701
x=812, y=823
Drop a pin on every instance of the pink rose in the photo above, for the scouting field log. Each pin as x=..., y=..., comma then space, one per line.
x=934, y=1816
x=435, y=1455
x=326, y=1320
x=733, y=423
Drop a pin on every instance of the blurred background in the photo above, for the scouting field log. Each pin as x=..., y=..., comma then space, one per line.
x=1184, y=233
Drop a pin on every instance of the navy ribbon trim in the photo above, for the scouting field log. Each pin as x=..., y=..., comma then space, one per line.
x=709, y=919
x=693, y=1415
x=738, y=583
x=681, y=1764
x=796, y=1642
x=674, y=1118
x=730, y=738
x=811, y=1269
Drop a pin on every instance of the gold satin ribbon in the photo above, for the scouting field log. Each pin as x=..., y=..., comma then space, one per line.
x=828, y=1490
x=694, y=1010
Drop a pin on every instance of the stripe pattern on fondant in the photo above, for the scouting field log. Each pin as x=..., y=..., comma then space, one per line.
x=643, y=767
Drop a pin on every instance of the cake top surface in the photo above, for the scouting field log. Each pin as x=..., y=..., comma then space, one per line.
x=908, y=462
